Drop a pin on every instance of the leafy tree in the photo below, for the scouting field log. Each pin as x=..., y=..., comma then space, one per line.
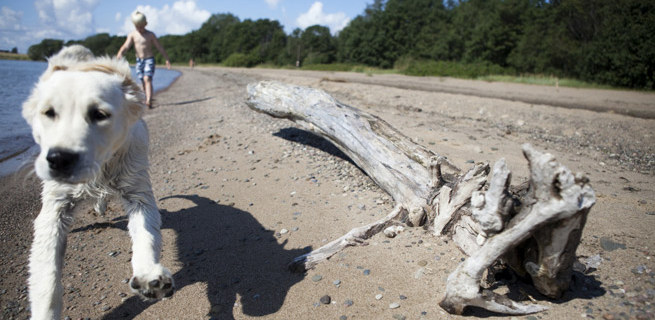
x=434, y=40
x=269, y=40
x=619, y=44
x=364, y=39
x=489, y=30
x=213, y=37
x=45, y=49
x=115, y=45
x=605, y=41
x=293, y=49
x=99, y=44
x=541, y=42
x=318, y=46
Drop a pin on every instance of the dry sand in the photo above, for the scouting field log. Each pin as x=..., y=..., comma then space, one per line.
x=230, y=181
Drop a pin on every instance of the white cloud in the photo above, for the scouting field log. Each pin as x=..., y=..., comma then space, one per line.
x=12, y=33
x=58, y=19
x=272, y=3
x=315, y=15
x=180, y=18
x=73, y=17
x=10, y=19
x=74, y=20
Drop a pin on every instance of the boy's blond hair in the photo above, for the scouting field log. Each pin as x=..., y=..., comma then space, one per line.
x=139, y=19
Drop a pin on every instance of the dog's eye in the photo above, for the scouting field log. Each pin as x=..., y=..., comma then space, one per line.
x=50, y=113
x=98, y=115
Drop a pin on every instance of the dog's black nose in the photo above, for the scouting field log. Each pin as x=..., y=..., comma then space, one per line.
x=62, y=161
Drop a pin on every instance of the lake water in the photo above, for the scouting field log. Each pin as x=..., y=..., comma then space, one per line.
x=16, y=82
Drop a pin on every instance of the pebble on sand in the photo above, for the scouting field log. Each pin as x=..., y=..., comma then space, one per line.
x=609, y=245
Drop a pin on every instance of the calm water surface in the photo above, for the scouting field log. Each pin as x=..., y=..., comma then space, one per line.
x=16, y=81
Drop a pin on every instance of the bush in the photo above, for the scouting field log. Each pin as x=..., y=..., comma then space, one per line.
x=414, y=67
x=329, y=67
x=238, y=60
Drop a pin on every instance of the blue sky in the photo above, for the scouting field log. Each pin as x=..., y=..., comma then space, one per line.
x=24, y=23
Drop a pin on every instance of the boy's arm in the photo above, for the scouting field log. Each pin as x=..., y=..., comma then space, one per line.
x=125, y=46
x=159, y=47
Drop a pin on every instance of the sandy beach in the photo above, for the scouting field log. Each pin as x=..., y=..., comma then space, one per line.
x=241, y=194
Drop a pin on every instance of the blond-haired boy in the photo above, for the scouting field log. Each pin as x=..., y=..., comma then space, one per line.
x=143, y=41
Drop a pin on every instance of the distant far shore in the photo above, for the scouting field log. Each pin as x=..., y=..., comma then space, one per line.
x=13, y=56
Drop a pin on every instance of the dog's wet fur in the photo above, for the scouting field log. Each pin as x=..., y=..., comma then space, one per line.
x=85, y=113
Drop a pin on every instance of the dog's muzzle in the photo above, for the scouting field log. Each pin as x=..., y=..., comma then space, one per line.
x=62, y=162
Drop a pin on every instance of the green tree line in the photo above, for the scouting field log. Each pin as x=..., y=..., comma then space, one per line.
x=602, y=41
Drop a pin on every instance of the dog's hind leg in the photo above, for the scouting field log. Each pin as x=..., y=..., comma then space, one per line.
x=48, y=247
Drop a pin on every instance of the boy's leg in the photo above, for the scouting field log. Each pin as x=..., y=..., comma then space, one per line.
x=147, y=87
x=148, y=73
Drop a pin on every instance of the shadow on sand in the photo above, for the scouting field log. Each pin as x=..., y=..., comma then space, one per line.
x=186, y=102
x=313, y=140
x=229, y=251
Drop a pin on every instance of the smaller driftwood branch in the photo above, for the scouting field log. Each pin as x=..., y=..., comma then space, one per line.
x=535, y=234
x=354, y=237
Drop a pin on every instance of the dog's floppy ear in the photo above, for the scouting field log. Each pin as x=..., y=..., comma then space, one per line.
x=134, y=98
x=29, y=106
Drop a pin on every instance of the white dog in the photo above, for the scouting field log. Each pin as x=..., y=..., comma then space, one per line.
x=85, y=114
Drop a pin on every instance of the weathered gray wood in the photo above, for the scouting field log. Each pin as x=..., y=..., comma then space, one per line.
x=353, y=237
x=479, y=215
x=391, y=159
x=556, y=197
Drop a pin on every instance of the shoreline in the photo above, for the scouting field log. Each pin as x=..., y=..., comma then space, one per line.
x=228, y=180
x=18, y=161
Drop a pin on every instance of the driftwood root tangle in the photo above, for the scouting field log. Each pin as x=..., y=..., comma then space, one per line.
x=536, y=234
x=551, y=221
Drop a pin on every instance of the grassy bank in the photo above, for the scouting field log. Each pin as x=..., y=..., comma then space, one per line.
x=13, y=56
x=543, y=80
x=475, y=71
x=413, y=67
x=483, y=72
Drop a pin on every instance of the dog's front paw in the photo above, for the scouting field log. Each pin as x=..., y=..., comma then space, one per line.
x=156, y=284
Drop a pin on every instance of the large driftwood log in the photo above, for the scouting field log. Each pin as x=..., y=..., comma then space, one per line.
x=535, y=234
